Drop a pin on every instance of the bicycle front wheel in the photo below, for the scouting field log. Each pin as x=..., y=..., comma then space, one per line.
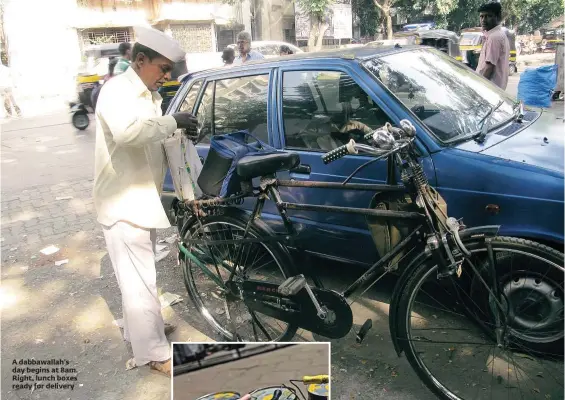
x=219, y=299
x=448, y=327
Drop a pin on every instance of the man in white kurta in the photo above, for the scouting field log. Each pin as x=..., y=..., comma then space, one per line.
x=129, y=172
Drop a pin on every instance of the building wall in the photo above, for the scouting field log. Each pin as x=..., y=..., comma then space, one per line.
x=194, y=37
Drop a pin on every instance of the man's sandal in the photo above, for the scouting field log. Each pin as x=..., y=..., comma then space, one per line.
x=163, y=367
x=169, y=328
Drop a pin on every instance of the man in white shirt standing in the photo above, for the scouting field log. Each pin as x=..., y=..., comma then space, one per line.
x=6, y=86
x=129, y=171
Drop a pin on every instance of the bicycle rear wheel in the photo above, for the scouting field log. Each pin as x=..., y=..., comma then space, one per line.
x=447, y=327
x=223, y=307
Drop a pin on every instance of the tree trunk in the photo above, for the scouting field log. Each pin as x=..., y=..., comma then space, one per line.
x=313, y=34
x=322, y=28
x=388, y=25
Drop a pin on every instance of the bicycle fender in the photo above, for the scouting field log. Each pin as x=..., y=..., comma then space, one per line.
x=395, y=299
x=466, y=235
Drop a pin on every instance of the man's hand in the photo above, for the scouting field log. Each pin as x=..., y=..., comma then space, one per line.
x=351, y=125
x=186, y=120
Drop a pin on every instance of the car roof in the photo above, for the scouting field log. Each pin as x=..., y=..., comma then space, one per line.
x=355, y=53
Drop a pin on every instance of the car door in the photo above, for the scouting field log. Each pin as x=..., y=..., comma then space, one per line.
x=186, y=105
x=229, y=103
x=319, y=106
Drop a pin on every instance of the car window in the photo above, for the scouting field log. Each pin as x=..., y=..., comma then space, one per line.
x=241, y=104
x=188, y=102
x=204, y=113
x=323, y=110
x=451, y=99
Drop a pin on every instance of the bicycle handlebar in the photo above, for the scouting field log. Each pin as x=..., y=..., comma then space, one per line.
x=385, y=138
x=316, y=379
x=339, y=152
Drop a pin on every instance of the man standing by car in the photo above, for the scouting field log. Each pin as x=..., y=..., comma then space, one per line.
x=125, y=60
x=129, y=173
x=495, y=53
x=245, y=52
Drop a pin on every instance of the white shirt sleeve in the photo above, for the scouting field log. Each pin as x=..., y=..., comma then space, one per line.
x=118, y=111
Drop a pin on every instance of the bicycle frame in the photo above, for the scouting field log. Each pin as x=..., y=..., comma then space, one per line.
x=269, y=187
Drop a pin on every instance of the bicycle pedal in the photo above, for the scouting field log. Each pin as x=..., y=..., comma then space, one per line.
x=292, y=285
x=364, y=330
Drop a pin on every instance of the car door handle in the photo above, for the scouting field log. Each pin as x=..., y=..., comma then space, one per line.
x=301, y=169
x=202, y=160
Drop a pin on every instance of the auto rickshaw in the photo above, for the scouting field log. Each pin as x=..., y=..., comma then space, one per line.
x=94, y=69
x=90, y=76
x=441, y=39
x=550, y=38
x=169, y=89
x=471, y=43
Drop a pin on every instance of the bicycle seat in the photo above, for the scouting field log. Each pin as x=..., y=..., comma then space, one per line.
x=249, y=167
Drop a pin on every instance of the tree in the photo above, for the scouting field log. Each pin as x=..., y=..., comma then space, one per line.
x=439, y=9
x=368, y=15
x=384, y=6
x=525, y=16
x=318, y=12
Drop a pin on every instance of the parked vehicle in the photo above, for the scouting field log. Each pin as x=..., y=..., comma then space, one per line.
x=441, y=39
x=550, y=38
x=269, y=49
x=420, y=26
x=184, y=353
x=302, y=102
x=169, y=89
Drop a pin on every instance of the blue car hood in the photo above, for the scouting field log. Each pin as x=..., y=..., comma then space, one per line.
x=541, y=144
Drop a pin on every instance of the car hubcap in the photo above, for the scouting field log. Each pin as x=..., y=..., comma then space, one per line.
x=536, y=308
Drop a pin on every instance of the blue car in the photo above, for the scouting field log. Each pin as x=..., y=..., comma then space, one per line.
x=493, y=162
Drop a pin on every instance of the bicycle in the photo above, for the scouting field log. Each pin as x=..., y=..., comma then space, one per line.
x=515, y=311
x=318, y=389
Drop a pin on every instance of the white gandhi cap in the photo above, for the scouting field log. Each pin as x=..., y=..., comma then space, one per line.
x=160, y=42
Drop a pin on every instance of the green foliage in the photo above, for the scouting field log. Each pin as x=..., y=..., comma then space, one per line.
x=529, y=15
x=316, y=8
x=368, y=14
x=526, y=15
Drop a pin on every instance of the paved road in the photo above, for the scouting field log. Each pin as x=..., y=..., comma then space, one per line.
x=269, y=369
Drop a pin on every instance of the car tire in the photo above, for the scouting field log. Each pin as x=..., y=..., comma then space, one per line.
x=80, y=120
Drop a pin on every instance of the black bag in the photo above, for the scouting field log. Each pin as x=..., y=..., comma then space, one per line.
x=218, y=177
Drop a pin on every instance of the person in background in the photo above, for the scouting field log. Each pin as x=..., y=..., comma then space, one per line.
x=125, y=59
x=6, y=86
x=228, y=56
x=245, y=52
x=96, y=92
x=495, y=53
x=130, y=166
x=285, y=51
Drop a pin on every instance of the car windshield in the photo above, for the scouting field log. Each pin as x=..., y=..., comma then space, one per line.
x=449, y=98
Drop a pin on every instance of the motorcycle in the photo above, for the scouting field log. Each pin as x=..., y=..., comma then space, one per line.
x=318, y=389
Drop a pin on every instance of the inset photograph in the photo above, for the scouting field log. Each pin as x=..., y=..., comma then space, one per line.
x=251, y=371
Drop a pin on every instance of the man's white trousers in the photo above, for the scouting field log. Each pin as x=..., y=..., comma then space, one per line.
x=132, y=252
